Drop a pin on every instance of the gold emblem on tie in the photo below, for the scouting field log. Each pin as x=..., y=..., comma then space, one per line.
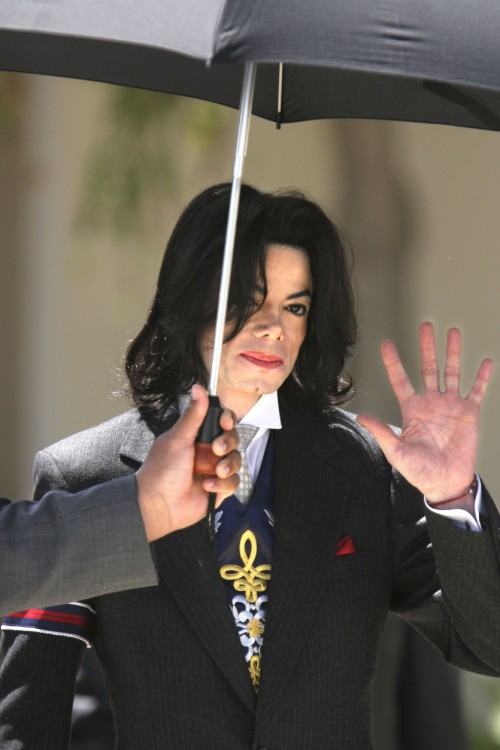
x=254, y=669
x=250, y=581
x=247, y=580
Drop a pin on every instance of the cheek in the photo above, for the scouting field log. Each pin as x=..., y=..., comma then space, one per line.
x=297, y=340
x=301, y=334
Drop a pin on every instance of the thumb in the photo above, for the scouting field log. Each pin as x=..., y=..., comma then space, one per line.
x=385, y=437
x=188, y=425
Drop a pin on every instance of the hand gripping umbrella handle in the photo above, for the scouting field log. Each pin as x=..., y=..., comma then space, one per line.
x=204, y=459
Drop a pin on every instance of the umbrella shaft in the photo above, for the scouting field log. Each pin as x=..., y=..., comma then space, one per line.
x=239, y=159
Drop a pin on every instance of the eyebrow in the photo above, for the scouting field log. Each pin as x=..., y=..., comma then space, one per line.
x=303, y=293
x=295, y=295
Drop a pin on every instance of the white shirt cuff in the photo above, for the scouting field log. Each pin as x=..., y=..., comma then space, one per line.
x=463, y=518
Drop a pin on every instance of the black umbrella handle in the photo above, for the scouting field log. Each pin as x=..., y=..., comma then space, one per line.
x=204, y=459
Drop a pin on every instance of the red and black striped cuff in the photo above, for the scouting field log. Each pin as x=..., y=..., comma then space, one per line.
x=75, y=620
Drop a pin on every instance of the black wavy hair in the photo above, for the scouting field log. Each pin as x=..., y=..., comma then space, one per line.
x=164, y=360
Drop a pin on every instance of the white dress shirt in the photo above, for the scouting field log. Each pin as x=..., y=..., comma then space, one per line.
x=265, y=415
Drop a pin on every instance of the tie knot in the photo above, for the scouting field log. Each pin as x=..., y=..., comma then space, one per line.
x=246, y=434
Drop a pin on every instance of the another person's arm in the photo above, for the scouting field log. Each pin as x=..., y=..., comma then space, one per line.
x=72, y=546
x=68, y=547
x=41, y=650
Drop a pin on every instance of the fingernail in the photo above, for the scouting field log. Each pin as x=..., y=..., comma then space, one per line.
x=194, y=393
x=210, y=484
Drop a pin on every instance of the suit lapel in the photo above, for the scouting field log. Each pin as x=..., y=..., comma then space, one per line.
x=311, y=499
x=186, y=565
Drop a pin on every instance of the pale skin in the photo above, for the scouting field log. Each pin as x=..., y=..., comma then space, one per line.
x=437, y=447
x=275, y=333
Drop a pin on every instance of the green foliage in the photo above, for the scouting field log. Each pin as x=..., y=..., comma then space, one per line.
x=484, y=718
x=482, y=740
x=138, y=157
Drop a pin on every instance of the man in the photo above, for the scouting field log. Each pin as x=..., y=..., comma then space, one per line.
x=265, y=634
x=72, y=547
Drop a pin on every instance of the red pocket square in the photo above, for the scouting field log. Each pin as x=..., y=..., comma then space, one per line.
x=345, y=546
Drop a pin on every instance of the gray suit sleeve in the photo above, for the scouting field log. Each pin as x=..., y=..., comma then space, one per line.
x=68, y=547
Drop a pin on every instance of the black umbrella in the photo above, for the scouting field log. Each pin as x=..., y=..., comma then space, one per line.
x=417, y=60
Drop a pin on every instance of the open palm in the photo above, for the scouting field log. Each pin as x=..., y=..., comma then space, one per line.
x=436, y=449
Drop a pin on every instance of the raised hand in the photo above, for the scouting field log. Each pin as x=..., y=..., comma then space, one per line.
x=436, y=449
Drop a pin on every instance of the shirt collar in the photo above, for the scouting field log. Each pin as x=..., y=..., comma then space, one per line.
x=265, y=413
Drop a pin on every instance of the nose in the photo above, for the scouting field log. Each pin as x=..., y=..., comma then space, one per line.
x=267, y=323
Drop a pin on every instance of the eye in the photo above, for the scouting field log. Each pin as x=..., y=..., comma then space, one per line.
x=298, y=308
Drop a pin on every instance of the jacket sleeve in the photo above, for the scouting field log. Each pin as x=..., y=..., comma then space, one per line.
x=40, y=652
x=72, y=546
x=446, y=580
x=37, y=683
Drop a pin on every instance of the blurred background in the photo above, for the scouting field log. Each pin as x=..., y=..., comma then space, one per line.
x=92, y=180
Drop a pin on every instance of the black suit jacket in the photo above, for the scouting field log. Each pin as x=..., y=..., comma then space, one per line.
x=171, y=657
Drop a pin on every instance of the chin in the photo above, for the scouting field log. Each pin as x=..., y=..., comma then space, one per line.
x=263, y=390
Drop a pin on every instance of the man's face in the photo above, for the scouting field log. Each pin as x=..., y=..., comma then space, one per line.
x=260, y=358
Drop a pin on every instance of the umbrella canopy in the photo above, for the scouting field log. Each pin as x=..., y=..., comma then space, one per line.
x=417, y=60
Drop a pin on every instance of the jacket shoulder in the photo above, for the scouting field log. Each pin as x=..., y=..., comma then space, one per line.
x=345, y=428
x=89, y=457
x=406, y=500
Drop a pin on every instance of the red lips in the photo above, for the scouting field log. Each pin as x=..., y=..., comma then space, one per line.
x=260, y=359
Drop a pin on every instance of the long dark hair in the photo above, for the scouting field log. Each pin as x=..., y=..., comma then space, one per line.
x=164, y=359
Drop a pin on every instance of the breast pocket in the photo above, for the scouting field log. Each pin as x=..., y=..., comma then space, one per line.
x=356, y=564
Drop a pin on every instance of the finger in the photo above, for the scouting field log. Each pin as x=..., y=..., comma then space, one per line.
x=187, y=426
x=221, y=496
x=428, y=357
x=453, y=355
x=396, y=373
x=230, y=464
x=480, y=384
x=223, y=487
x=225, y=443
x=227, y=419
x=385, y=437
